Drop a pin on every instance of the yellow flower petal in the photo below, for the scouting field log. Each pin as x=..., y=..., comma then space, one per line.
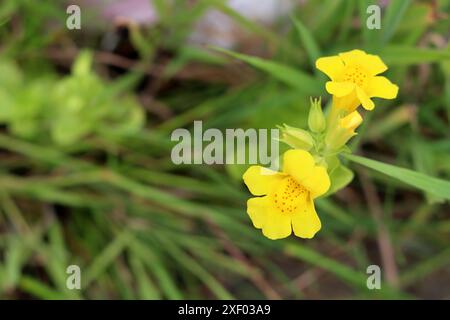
x=318, y=181
x=259, y=180
x=339, y=89
x=371, y=63
x=348, y=103
x=277, y=225
x=298, y=164
x=306, y=222
x=351, y=121
x=365, y=100
x=257, y=210
x=381, y=87
x=331, y=66
x=352, y=57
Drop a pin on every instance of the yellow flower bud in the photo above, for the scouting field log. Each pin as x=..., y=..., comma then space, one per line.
x=344, y=129
x=351, y=121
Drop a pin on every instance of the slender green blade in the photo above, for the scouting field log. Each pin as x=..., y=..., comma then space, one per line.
x=406, y=55
x=438, y=187
x=297, y=79
x=311, y=46
x=394, y=14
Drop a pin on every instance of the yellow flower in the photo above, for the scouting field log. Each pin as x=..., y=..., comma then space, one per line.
x=354, y=79
x=345, y=129
x=351, y=121
x=285, y=199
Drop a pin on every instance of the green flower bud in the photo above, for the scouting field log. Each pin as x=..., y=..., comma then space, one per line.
x=83, y=63
x=296, y=138
x=316, y=118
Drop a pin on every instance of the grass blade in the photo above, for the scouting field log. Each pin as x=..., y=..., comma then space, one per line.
x=311, y=47
x=406, y=55
x=438, y=187
x=394, y=14
x=297, y=79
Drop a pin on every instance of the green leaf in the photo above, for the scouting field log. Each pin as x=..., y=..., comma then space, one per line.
x=394, y=14
x=340, y=177
x=406, y=55
x=147, y=289
x=14, y=256
x=153, y=262
x=435, y=186
x=297, y=79
x=371, y=36
x=312, y=49
x=39, y=289
x=192, y=264
x=423, y=160
x=105, y=258
x=351, y=276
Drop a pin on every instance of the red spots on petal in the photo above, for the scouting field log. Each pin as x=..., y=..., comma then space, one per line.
x=292, y=196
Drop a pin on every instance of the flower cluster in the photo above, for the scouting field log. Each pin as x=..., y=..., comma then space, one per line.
x=284, y=200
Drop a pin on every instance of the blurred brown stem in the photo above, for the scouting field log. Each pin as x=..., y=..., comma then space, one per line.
x=237, y=254
x=383, y=237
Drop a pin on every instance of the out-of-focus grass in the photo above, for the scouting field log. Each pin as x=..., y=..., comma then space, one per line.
x=141, y=227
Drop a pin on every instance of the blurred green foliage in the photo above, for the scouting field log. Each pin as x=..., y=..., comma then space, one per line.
x=65, y=110
x=83, y=180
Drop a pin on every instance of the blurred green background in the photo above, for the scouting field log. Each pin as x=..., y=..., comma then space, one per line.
x=86, y=176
